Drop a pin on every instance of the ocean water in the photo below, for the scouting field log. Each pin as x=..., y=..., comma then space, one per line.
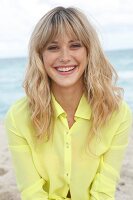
x=12, y=73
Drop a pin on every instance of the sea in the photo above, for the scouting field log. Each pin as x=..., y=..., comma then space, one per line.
x=12, y=71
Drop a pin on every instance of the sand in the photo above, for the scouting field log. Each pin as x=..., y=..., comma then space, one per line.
x=8, y=188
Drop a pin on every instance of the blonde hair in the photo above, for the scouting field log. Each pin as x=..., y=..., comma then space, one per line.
x=99, y=77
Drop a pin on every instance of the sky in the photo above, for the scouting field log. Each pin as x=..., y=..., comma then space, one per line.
x=113, y=20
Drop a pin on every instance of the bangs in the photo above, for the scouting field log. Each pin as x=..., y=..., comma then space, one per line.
x=60, y=26
x=57, y=25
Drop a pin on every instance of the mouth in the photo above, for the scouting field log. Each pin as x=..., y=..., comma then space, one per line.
x=66, y=70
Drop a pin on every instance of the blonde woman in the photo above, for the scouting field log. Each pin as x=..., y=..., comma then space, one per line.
x=68, y=135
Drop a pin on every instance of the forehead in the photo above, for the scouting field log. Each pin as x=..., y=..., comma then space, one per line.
x=62, y=31
x=64, y=39
x=64, y=36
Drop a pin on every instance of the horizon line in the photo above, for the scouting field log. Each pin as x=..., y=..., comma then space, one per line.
x=108, y=50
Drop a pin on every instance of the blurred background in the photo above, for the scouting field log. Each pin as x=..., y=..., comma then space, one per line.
x=113, y=20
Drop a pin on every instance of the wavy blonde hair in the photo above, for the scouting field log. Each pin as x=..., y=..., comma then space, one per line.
x=99, y=77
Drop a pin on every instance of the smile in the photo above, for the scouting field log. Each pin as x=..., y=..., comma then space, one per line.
x=65, y=70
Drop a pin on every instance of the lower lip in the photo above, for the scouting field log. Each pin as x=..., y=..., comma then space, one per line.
x=67, y=73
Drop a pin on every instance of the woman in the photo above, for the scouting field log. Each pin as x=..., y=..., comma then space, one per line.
x=68, y=134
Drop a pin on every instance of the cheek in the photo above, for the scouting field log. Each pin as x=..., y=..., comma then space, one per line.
x=83, y=59
x=82, y=55
x=46, y=60
x=46, y=65
x=49, y=59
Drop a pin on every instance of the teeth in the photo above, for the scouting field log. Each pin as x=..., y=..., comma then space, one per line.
x=65, y=69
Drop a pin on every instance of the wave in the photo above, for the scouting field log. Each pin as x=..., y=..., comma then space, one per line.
x=125, y=74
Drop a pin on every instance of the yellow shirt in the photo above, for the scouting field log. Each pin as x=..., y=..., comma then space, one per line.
x=51, y=169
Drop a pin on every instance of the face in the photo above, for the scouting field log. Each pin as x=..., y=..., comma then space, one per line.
x=65, y=61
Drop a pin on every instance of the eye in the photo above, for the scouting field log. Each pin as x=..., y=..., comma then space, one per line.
x=53, y=48
x=75, y=45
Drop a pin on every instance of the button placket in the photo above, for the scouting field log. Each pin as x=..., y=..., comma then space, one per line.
x=67, y=156
x=67, y=145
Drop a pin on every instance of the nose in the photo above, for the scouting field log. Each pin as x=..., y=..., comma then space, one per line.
x=65, y=56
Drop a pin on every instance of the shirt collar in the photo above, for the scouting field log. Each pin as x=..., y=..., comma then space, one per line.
x=83, y=110
x=58, y=110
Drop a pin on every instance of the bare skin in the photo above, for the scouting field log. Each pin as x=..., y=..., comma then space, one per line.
x=69, y=99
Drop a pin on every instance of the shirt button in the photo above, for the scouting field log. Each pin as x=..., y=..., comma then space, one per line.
x=67, y=144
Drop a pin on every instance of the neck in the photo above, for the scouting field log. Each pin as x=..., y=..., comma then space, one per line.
x=68, y=98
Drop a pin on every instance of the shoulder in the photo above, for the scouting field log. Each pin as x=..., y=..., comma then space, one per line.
x=19, y=107
x=118, y=125
x=18, y=116
x=121, y=118
x=19, y=104
x=124, y=112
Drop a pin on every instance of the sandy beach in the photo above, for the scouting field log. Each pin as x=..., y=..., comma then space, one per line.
x=8, y=188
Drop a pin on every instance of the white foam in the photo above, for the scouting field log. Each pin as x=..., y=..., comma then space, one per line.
x=125, y=74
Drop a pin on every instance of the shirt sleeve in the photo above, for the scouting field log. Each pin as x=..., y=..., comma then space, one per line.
x=29, y=182
x=106, y=179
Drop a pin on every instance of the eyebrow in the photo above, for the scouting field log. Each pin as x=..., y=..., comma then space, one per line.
x=56, y=42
